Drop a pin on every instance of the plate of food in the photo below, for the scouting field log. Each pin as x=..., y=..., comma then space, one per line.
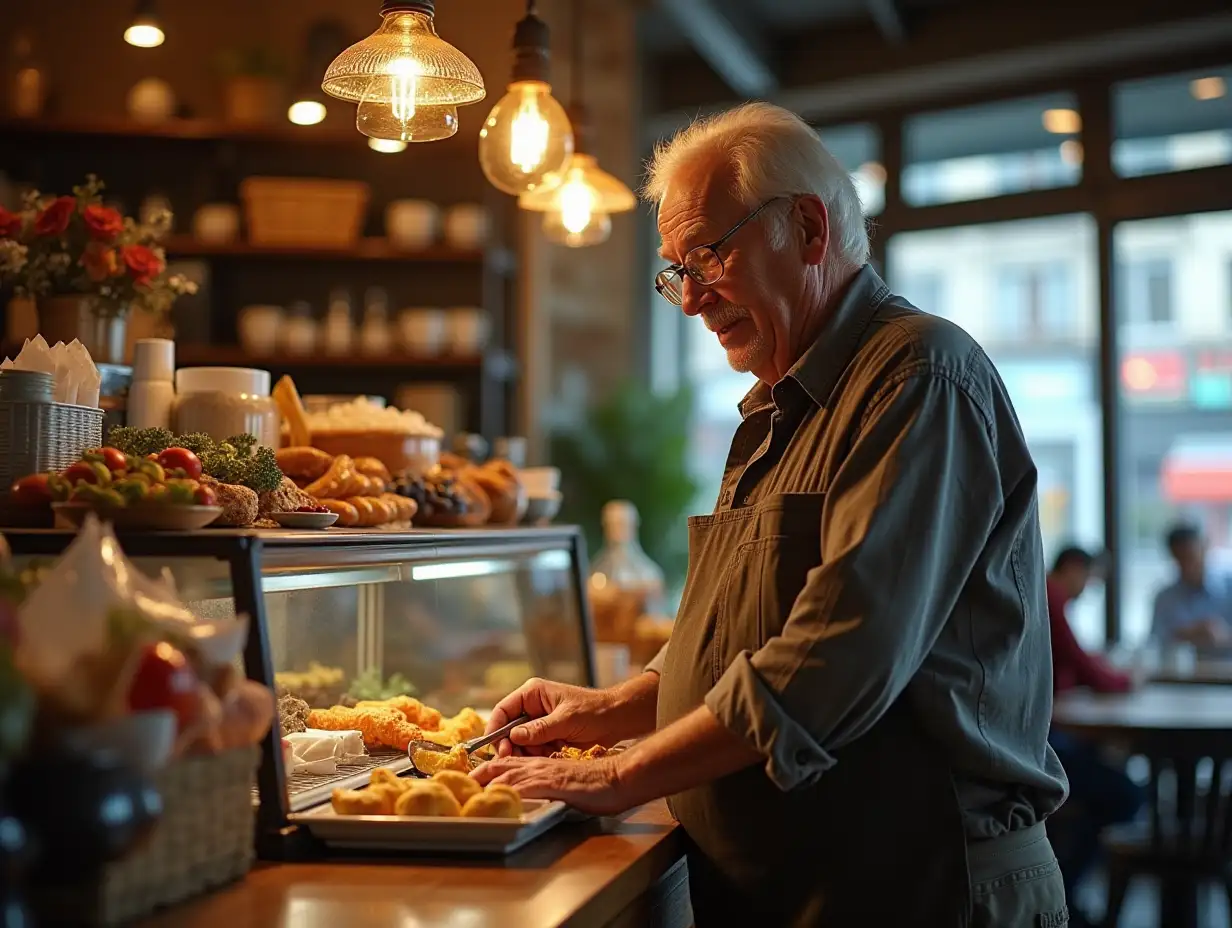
x=146, y=517
x=306, y=517
x=449, y=813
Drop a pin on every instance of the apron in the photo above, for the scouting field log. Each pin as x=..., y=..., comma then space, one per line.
x=878, y=840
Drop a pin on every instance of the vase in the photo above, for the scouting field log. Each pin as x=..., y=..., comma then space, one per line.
x=65, y=317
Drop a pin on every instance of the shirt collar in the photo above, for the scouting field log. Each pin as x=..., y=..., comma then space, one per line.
x=821, y=364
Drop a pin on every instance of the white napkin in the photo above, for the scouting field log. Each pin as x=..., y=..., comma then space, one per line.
x=320, y=752
x=75, y=379
x=35, y=356
x=86, y=374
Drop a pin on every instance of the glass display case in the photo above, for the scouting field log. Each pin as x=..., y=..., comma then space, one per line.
x=455, y=619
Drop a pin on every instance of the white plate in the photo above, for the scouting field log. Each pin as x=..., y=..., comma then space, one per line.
x=304, y=519
x=433, y=834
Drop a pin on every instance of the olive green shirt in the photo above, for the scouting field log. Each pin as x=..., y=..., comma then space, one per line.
x=931, y=584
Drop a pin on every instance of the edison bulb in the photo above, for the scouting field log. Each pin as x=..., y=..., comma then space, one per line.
x=389, y=109
x=306, y=112
x=526, y=137
x=577, y=221
x=144, y=35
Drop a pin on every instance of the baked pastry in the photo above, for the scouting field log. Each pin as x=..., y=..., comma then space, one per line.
x=389, y=793
x=303, y=463
x=348, y=515
x=427, y=797
x=287, y=498
x=462, y=785
x=500, y=483
x=357, y=802
x=416, y=712
x=493, y=802
x=433, y=762
x=379, y=726
x=336, y=482
x=404, y=507
x=239, y=504
x=383, y=776
x=374, y=467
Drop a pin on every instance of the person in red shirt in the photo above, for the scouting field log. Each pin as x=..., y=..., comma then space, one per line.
x=1100, y=794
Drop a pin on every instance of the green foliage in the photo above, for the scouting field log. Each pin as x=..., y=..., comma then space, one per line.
x=238, y=460
x=140, y=442
x=632, y=446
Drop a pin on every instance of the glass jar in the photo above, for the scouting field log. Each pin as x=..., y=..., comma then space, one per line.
x=226, y=401
x=625, y=584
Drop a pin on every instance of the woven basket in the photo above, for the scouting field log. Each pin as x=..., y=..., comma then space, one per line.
x=203, y=840
x=38, y=437
x=304, y=212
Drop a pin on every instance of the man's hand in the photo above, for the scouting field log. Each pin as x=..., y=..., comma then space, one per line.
x=593, y=787
x=573, y=715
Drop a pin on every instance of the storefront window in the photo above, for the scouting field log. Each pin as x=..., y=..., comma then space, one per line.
x=1172, y=297
x=992, y=149
x=1028, y=292
x=1173, y=123
x=858, y=148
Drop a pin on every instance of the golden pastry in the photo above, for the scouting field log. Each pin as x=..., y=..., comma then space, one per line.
x=382, y=776
x=374, y=467
x=433, y=762
x=460, y=784
x=334, y=482
x=286, y=398
x=348, y=515
x=426, y=797
x=493, y=802
x=379, y=726
x=416, y=712
x=592, y=753
x=303, y=463
x=389, y=793
x=357, y=802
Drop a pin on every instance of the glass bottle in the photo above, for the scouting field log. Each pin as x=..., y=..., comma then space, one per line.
x=625, y=584
x=339, y=329
x=29, y=88
x=374, y=334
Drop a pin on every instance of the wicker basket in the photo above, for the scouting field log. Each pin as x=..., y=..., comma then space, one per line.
x=304, y=212
x=204, y=840
x=38, y=437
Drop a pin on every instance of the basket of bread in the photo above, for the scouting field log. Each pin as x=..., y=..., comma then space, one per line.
x=135, y=777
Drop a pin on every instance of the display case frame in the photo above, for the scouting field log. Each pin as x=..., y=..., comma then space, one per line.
x=249, y=555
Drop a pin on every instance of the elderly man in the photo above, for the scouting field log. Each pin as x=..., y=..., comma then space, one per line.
x=852, y=713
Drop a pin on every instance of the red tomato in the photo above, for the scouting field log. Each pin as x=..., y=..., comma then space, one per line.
x=32, y=491
x=112, y=457
x=181, y=459
x=205, y=496
x=82, y=470
x=165, y=680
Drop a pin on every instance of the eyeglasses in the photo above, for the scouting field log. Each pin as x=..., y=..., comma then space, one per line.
x=703, y=263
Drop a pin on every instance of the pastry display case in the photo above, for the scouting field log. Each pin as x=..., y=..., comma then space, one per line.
x=349, y=625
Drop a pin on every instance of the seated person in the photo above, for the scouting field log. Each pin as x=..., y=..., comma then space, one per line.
x=1197, y=608
x=1100, y=794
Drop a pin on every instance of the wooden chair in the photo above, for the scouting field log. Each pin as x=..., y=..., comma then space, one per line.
x=1187, y=839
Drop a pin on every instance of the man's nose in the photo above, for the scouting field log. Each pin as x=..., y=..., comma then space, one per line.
x=694, y=297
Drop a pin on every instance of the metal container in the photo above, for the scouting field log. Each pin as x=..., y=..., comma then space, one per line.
x=26, y=387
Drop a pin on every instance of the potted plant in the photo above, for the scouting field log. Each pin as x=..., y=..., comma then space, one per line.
x=252, y=89
x=87, y=267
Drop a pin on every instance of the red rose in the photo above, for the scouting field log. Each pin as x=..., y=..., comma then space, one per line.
x=142, y=263
x=103, y=222
x=100, y=262
x=10, y=223
x=54, y=219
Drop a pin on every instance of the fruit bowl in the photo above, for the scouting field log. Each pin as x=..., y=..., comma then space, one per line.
x=304, y=519
x=153, y=517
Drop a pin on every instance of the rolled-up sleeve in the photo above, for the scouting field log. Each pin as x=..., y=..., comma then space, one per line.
x=906, y=517
x=656, y=662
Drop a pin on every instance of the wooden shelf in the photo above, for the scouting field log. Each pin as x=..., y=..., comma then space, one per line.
x=235, y=356
x=369, y=249
x=202, y=130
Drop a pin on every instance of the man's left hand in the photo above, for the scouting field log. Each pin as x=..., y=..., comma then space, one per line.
x=593, y=786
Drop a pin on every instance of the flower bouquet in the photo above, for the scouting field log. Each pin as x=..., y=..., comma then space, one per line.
x=75, y=247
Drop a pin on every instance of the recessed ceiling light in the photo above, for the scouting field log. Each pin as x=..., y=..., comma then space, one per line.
x=1208, y=88
x=1062, y=122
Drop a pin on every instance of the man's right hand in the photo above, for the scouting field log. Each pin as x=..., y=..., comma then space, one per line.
x=575, y=716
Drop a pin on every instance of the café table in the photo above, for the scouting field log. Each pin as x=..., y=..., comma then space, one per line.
x=1174, y=726
x=1203, y=672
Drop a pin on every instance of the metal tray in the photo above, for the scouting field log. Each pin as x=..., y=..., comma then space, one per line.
x=424, y=834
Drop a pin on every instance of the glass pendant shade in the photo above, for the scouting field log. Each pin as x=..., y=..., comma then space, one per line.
x=145, y=31
x=526, y=138
x=563, y=193
x=407, y=80
x=577, y=227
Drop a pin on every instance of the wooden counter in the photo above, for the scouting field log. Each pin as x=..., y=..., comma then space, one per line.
x=622, y=872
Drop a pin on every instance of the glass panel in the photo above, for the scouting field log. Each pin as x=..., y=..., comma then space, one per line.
x=857, y=147
x=1173, y=123
x=1028, y=292
x=992, y=149
x=1173, y=303
x=457, y=632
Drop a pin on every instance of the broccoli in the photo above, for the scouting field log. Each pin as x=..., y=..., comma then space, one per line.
x=243, y=444
x=264, y=475
x=140, y=442
x=198, y=443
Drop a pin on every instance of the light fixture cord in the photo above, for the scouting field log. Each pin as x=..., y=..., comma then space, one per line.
x=575, y=70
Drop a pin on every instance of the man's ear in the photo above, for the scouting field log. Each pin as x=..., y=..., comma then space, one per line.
x=813, y=228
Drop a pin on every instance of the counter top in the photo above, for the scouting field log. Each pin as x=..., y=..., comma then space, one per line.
x=619, y=872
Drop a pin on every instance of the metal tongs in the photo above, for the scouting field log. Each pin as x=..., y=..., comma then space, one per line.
x=470, y=747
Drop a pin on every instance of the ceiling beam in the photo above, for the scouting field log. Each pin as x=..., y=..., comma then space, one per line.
x=888, y=16
x=730, y=43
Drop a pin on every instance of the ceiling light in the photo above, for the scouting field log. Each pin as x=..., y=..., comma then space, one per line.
x=407, y=80
x=306, y=112
x=1062, y=121
x=144, y=31
x=387, y=146
x=1208, y=88
x=527, y=135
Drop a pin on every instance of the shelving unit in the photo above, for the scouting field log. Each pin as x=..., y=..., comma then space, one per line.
x=195, y=161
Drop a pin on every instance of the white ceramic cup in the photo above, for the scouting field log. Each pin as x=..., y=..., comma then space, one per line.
x=422, y=330
x=466, y=225
x=540, y=482
x=412, y=224
x=260, y=328
x=468, y=329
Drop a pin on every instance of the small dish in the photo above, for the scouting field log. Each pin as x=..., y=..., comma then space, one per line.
x=305, y=519
x=151, y=517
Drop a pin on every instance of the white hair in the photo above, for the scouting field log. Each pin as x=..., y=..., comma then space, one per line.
x=771, y=152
